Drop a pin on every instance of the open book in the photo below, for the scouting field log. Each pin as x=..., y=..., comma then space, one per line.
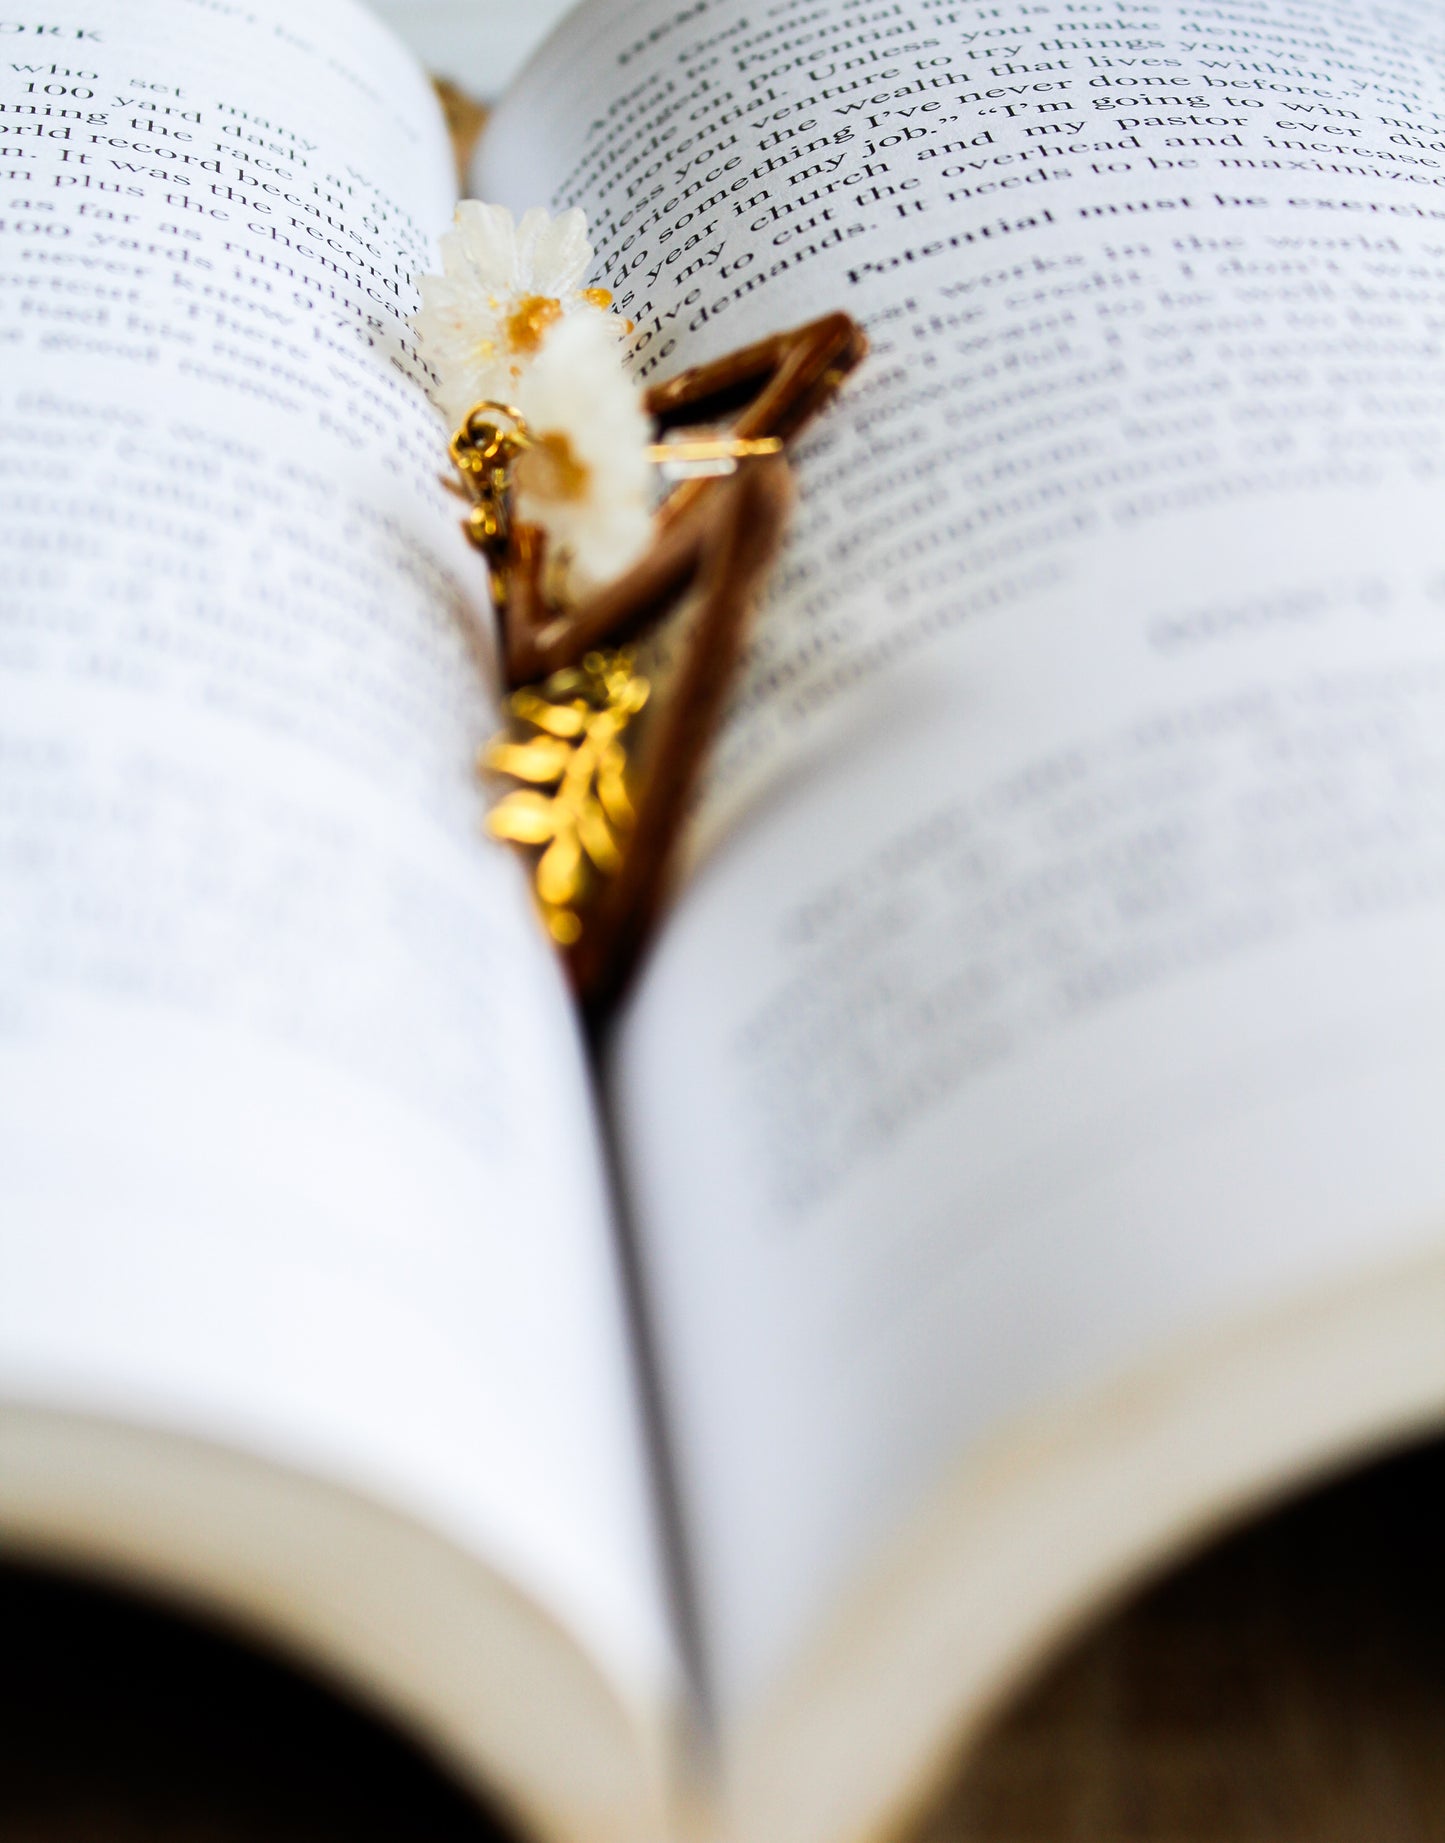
x=1021, y=1152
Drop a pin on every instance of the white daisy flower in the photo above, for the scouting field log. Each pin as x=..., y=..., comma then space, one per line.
x=584, y=477
x=505, y=287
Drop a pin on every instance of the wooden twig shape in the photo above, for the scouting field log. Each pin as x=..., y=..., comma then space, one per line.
x=773, y=388
x=603, y=819
x=723, y=557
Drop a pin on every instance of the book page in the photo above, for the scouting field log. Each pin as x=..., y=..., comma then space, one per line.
x=297, y=1149
x=1061, y=972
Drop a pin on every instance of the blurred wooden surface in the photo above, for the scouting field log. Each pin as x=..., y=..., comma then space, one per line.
x=1288, y=1686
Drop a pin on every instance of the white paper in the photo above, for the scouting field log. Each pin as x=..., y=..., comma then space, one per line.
x=297, y=1147
x=1062, y=969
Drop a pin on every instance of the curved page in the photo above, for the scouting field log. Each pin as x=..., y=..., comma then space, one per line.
x=297, y=1150
x=1061, y=977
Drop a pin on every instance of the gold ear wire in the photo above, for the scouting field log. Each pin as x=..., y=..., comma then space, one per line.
x=482, y=452
x=478, y=435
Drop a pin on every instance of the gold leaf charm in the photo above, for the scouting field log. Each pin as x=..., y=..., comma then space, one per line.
x=574, y=805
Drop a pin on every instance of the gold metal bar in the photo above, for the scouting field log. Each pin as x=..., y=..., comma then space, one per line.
x=723, y=448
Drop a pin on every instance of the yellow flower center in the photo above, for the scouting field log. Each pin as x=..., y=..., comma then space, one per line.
x=597, y=297
x=529, y=320
x=549, y=468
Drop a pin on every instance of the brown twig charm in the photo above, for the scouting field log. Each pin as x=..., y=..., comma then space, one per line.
x=604, y=790
x=603, y=817
x=753, y=401
x=556, y=451
x=772, y=389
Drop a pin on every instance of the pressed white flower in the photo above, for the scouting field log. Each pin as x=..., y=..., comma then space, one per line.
x=505, y=288
x=585, y=476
